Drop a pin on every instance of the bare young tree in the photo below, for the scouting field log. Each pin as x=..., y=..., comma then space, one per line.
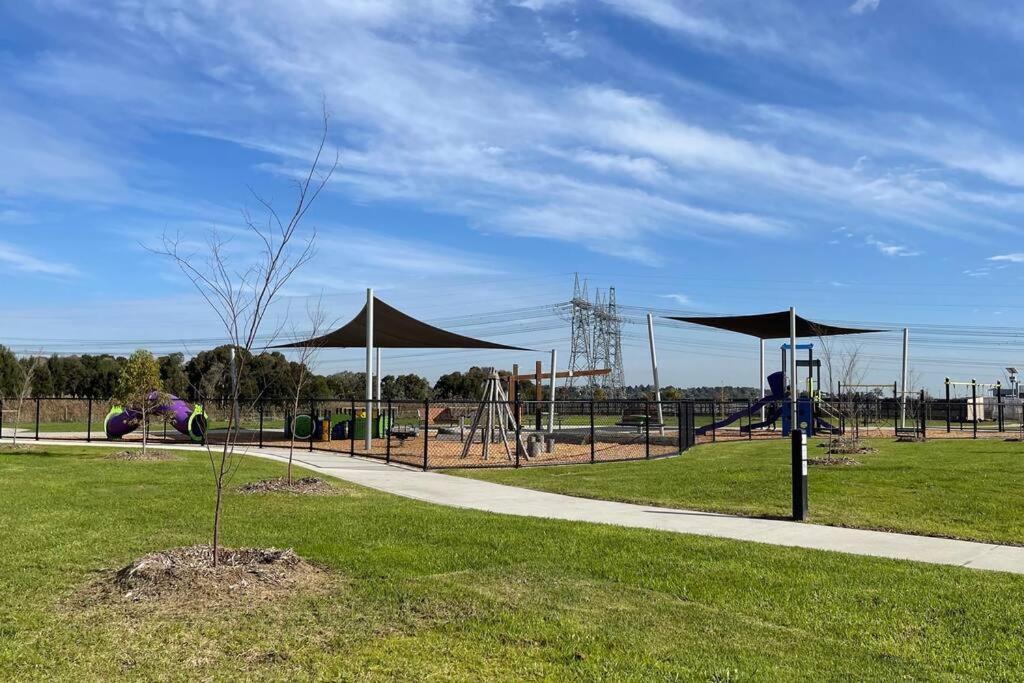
x=26, y=382
x=317, y=325
x=241, y=298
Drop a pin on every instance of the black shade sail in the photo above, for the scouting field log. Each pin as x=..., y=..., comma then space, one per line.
x=393, y=329
x=770, y=325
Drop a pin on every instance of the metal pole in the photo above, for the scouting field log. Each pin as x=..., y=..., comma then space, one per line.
x=426, y=433
x=793, y=391
x=947, y=406
x=903, y=378
x=974, y=406
x=654, y=371
x=379, y=396
x=88, y=424
x=368, y=441
x=37, y=419
x=593, y=446
x=647, y=429
x=760, y=373
x=261, y=424
x=551, y=385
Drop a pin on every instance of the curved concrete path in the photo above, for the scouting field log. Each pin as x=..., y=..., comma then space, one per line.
x=444, y=489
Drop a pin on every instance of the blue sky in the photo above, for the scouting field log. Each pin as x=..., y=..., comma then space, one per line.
x=860, y=160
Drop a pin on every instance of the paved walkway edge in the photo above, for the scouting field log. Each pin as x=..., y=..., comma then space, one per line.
x=443, y=489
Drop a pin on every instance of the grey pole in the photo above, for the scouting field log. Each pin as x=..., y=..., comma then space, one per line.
x=368, y=442
x=760, y=374
x=551, y=399
x=654, y=371
x=903, y=378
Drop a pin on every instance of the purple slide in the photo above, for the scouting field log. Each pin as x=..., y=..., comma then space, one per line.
x=187, y=418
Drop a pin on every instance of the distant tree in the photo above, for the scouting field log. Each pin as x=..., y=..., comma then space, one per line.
x=172, y=374
x=10, y=373
x=405, y=388
x=140, y=388
x=346, y=384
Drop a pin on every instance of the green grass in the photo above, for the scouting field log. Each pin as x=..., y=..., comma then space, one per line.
x=957, y=488
x=433, y=592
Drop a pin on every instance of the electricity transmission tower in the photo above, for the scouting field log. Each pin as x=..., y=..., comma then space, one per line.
x=580, y=355
x=596, y=339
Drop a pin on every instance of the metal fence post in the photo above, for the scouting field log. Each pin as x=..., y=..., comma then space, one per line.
x=974, y=407
x=714, y=419
x=647, y=429
x=519, y=428
x=352, y=428
x=88, y=423
x=387, y=450
x=750, y=423
x=312, y=423
x=37, y=417
x=593, y=446
x=426, y=434
x=679, y=425
x=261, y=424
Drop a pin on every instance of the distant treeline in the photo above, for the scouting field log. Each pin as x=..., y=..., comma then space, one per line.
x=272, y=376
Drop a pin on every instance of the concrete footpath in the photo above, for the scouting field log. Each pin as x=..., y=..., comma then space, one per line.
x=473, y=494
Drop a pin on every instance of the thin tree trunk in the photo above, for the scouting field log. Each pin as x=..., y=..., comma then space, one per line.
x=291, y=442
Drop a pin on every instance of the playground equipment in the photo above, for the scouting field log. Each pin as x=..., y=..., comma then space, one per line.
x=776, y=406
x=494, y=422
x=189, y=419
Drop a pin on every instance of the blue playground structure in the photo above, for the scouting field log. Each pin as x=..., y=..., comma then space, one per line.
x=776, y=403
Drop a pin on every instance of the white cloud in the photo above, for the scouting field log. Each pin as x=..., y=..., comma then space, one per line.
x=890, y=249
x=24, y=262
x=1015, y=257
x=681, y=299
x=863, y=6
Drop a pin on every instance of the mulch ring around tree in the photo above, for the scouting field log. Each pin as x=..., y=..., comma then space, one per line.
x=186, y=578
x=307, y=486
x=152, y=455
x=833, y=460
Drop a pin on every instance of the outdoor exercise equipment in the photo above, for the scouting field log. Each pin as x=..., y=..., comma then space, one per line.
x=972, y=404
x=189, y=419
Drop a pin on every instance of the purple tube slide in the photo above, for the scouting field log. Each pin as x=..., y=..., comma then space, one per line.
x=187, y=418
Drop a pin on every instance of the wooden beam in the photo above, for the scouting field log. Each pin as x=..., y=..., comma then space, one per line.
x=538, y=375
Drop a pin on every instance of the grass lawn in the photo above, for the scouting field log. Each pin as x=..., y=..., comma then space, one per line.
x=957, y=488
x=433, y=592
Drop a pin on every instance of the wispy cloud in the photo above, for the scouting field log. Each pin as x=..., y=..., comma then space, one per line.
x=681, y=299
x=890, y=249
x=17, y=259
x=1015, y=257
x=863, y=6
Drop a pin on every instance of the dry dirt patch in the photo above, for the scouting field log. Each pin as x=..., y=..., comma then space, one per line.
x=152, y=455
x=186, y=578
x=308, y=486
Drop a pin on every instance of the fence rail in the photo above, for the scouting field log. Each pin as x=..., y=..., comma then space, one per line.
x=438, y=434
x=431, y=434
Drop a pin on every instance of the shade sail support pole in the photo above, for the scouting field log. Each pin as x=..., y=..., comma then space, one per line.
x=654, y=373
x=368, y=441
x=793, y=391
x=903, y=378
x=760, y=372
